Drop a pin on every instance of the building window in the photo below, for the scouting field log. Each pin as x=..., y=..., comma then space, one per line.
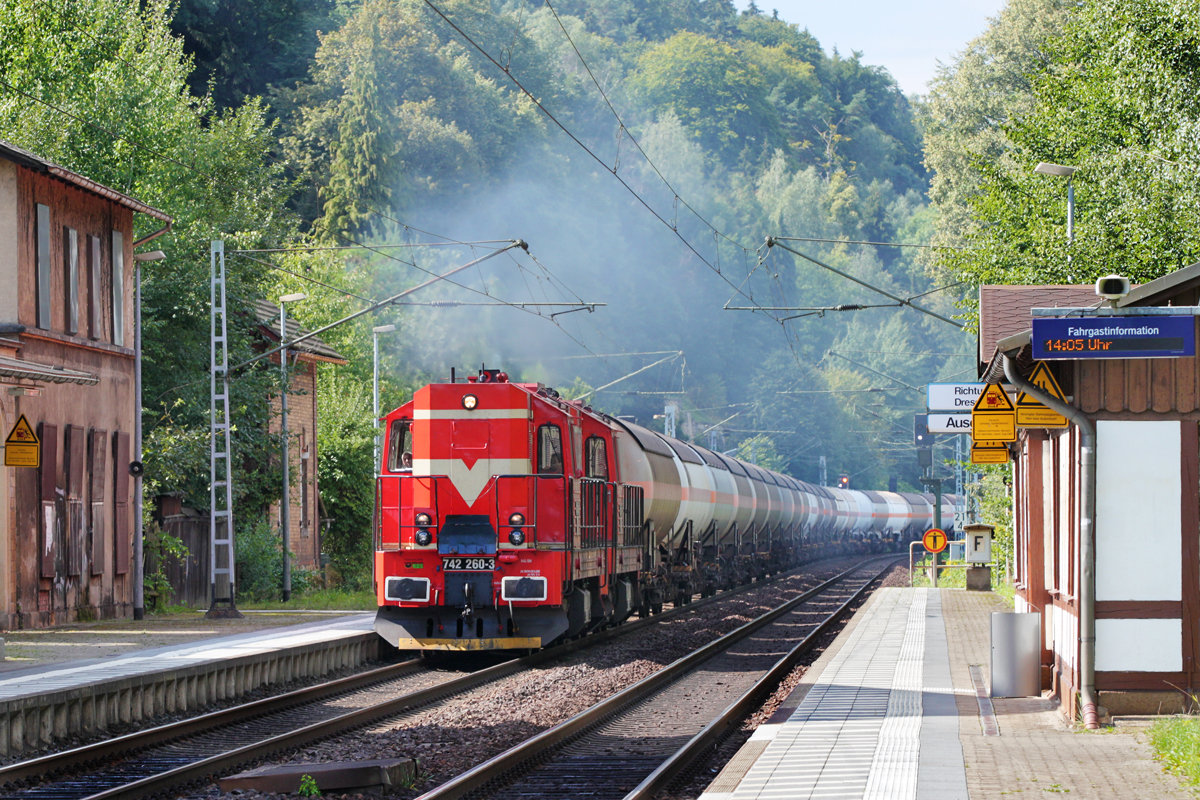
x=71, y=278
x=400, y=455
x=95, y=304
x=118, y=289
x=43, y=267
x=597, y=458
x=550, y=456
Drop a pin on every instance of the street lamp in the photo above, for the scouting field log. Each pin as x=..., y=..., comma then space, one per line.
x=285, y=507
x=139, y=590
x=1061, y=171
x=375, y=336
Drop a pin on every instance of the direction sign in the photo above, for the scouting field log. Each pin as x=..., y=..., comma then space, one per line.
x=993, y=419
x=953, y=396
x=949, y=423
x=22, y=448
x=1113, y=337
x=935, y=540
x=1031, y=413
x=989, y=453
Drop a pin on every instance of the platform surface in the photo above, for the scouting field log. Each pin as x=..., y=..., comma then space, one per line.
x=897, y=709
x=39, y=679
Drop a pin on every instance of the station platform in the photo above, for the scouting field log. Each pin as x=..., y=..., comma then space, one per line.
x=45, y=702
x=898, y=708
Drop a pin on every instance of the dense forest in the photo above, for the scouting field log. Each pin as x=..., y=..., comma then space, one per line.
x=644, y=151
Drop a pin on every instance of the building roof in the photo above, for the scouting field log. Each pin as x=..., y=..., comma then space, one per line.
x=1004, y=310
x=19, y=368
x=1164, y=288
x=268, y=315
x=35, y=162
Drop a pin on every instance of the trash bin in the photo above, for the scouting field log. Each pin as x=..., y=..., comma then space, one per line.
x=1016, y=654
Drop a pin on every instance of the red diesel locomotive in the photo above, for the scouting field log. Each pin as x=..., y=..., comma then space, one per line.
x=508, y=517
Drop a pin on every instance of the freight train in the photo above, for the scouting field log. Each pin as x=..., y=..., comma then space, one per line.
x=508, y=517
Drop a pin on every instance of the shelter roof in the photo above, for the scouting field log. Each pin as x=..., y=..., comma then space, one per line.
x=267, y=314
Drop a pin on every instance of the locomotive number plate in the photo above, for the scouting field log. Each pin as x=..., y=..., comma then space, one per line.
x=473, y=564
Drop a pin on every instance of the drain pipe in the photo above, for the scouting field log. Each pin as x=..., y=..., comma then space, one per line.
x=1087, y=550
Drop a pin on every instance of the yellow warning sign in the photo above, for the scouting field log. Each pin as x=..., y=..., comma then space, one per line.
x=22, y=448
x=993, y=419
x=1031, y=413
x=989, y=453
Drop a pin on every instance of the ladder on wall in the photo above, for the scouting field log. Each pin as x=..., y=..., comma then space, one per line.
x=221, y=557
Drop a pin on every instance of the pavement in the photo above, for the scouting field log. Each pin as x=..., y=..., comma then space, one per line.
x=897, y=708
x=25, y=649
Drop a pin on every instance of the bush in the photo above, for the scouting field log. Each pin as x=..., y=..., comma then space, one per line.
x=259, y=562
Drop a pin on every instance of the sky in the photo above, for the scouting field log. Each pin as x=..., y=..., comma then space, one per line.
x=908, y=38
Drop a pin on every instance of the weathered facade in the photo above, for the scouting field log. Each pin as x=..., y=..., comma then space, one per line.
x=67, y=365
x=1146, y=414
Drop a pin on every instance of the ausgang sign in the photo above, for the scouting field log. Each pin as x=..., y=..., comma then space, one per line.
x=949, y=423
x=959, y=397
x=1113, y=337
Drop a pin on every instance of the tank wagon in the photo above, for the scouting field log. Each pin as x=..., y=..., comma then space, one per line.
x=508, y=517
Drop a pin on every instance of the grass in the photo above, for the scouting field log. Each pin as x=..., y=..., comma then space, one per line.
x=947, y=578
x=1176, y=743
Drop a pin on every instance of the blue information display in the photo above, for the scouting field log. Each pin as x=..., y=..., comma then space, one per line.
x=1113, y=337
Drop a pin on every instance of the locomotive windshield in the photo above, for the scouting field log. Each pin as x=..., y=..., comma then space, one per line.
x=597, y=458
x=550, y=458
x=400, y=457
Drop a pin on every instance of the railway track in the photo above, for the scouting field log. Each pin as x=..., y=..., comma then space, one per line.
x=157, y=760
x=635, y=743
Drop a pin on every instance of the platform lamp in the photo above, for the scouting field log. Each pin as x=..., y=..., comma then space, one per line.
x=1061, y=171
x=378, y=329
x=139, y=590
x=285, y=507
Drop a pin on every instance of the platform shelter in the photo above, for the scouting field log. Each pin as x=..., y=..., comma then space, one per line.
x=1146, y=413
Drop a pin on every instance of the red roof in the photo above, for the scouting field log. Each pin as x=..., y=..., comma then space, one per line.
x=1004, y=310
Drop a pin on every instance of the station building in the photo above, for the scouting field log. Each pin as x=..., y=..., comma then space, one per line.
x=67, y=367
x=1146, y=413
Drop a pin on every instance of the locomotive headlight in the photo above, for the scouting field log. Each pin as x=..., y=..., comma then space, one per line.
x=469, y=402
x=423, y=519
x=423, y=537
x=516, y=518
x=516, y=537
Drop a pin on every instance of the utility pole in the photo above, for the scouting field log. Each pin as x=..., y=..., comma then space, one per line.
x=285, y=506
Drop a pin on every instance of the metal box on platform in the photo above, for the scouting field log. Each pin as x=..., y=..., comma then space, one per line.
x=1016, y=654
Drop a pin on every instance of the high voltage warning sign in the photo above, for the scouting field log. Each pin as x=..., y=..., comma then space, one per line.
x=993, y=418
x=22, y=448
x=1030, y=412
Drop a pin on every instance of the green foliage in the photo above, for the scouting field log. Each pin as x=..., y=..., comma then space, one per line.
x=1114, y=94
x=1176, y=743
x=158, y=547
x=760, y=450
x=308, y=787
x=346, y=441
x=259, y=554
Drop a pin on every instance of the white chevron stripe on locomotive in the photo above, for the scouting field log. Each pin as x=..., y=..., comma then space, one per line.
x=470, y=481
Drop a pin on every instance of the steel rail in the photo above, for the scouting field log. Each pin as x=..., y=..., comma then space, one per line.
x=712, y=733
x=532, y=748
x=88, y=755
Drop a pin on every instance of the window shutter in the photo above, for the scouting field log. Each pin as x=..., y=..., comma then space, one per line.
x=71, y=278
x=74, y=451
x=49, y=516
x=95, y=292
x=43, y=268
x=98, y=459
x=121, y=527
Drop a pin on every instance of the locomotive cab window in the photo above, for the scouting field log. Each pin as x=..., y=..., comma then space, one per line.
x=400, y=457
x=597, y=458
x=549, y=453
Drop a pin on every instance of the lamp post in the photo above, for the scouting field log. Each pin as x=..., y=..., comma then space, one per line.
x=285, y=507
x=1061, y=171
x=139, y=589
x=378, y=329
